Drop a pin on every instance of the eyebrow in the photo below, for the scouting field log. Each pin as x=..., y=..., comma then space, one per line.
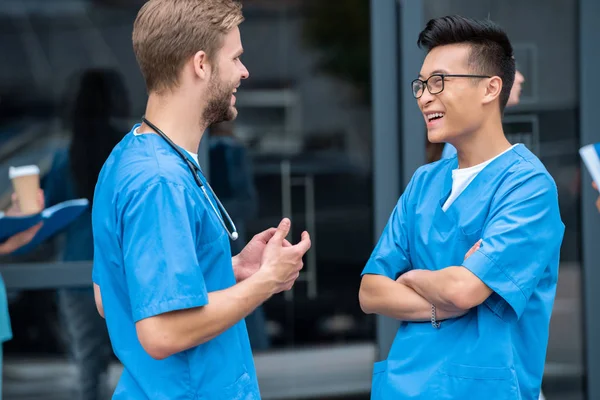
x=437, y=71
x=239, y=53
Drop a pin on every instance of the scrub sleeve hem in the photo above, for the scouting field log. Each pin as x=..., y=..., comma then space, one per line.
x=168, y=306
x=373, y=269
x=499, y=281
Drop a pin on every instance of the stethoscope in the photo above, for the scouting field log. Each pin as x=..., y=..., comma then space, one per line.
x=233, y=235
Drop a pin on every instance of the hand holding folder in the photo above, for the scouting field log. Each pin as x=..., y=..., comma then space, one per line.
x=52, y=220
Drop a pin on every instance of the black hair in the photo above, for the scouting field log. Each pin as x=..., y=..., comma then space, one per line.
x=491, y=51
x=98, y=99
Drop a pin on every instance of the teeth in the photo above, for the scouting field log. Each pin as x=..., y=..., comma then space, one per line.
x=434, y=115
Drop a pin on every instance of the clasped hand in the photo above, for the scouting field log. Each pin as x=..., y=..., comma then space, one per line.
x=275, y=256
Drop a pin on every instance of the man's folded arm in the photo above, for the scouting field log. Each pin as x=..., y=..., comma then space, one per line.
x=452, y=287
x=384, y=296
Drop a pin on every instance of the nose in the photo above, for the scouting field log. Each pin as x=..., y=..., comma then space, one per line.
x=245, y=73
x=425, y=98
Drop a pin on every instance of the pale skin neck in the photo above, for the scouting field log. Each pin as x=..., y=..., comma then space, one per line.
x=482, y=145
x=178, y=116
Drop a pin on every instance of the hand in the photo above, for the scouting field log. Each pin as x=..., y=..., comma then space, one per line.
x=248, y=261
x=405, y=277
x=22, y=238
x=15, y=210
x=598, y=199
x=281, y=264
x=19, y=240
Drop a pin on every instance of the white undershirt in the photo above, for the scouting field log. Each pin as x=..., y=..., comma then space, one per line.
x=194, y=155
x=462, y=177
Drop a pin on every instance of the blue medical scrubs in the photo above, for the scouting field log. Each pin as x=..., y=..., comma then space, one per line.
x=159, y=247
x=448, y=151
x=497, y=350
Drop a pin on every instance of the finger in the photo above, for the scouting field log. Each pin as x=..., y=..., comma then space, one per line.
x=41, y=199
x=266, y=235
x=282, y=231
x=304, y=244
x=286, y=243
x=594, y=185
x=14, y=203
x=473, y=249
x=598, y=203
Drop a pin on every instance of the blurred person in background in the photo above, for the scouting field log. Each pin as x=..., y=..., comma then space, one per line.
x=96, y=102
x=233, y=181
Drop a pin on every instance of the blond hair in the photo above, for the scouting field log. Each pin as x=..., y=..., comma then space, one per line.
x=166, y=33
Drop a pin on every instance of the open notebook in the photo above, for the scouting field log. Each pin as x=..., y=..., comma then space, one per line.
x=54, y=219
x=591, y=158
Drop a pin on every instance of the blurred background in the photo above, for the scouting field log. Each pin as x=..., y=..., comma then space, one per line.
x=328, y=133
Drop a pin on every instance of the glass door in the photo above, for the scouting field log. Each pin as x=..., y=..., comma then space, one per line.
x=305, y=120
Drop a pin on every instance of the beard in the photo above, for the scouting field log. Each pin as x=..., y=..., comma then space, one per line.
x=219, y=108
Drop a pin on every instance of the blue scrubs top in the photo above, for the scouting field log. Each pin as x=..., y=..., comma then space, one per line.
x=159, y=247
x=497, y=350
x=449, y=151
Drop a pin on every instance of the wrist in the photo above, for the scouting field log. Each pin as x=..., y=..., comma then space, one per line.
x=235, y=263
x=264, y=281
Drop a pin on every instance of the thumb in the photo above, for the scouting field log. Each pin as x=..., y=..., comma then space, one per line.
x=282, y=231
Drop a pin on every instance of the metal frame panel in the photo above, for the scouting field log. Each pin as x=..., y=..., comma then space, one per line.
x=589, y=86
x=398, y=143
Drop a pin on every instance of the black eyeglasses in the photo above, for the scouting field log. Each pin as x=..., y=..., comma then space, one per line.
x=435, y=83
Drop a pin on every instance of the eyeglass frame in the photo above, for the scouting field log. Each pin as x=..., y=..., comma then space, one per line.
x=425, y=82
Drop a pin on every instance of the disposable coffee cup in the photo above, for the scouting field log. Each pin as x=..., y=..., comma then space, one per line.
x=26, y=183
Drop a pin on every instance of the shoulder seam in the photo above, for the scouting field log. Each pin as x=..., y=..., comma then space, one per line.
x=161, y=180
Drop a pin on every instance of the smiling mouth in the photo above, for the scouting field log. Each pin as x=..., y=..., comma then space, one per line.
x=434, y=116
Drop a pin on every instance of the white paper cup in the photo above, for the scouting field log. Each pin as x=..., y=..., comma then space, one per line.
x=26, y=183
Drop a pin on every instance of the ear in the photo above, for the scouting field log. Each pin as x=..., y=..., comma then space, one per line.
x=201, y=65
x=492, y=90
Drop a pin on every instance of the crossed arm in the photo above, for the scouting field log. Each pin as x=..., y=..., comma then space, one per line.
x=453, y=290
x=382, y=295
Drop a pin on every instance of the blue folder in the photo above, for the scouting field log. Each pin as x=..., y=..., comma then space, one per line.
x=54, y=219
